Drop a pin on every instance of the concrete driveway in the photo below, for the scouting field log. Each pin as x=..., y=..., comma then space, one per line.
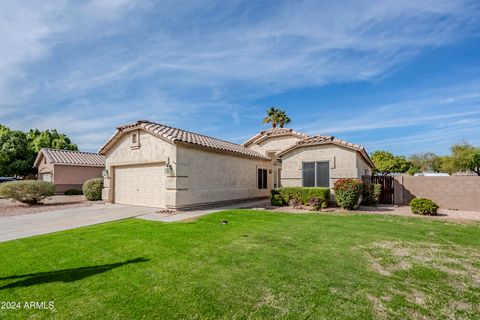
x=28, y=225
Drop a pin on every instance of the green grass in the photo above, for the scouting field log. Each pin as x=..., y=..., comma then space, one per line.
x=259, y=265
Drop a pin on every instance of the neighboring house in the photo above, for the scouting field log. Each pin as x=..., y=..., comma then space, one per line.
x=68, y=169
x=151, y=164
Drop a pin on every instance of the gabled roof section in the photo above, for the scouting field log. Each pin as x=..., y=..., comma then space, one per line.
x=68, y=157
x=321, y=139
x=274, y=132
x=175, y=135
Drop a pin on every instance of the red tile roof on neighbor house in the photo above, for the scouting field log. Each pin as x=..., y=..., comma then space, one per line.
x=67, y=157
x=274, y=132
x=321, y=139
x=175, y=135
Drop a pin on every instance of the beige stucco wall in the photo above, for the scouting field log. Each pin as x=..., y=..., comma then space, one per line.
x=454, y=192
x=151, y=150
x=68, y=177
x=364, y=169
x=200, y=176
x=343, y=163
x=207, y=176
x=274, y=144
x=44, y=167
x=73, y=177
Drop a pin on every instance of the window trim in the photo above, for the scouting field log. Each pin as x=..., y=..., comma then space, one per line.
x=315, y=172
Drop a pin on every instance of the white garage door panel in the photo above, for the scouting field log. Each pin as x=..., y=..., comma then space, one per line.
x=140, y=185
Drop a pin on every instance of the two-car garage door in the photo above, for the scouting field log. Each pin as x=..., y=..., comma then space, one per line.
x=142, y=185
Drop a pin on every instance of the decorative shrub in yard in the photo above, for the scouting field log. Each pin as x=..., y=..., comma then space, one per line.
x=371, y=193
x=73, y=192
x=312, y=196
x=348, y=193
x=276, y=199
x=92, y=189
x=27, y=191
x=423, y=206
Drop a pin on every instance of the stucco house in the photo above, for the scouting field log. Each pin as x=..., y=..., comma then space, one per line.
x=156, y=165
x=68, y=169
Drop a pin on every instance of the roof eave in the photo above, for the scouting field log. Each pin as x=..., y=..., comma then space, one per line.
x=238, y=154
x=362, y=151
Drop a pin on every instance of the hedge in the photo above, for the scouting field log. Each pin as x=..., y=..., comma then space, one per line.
x=371, y=193
x=348, y=193
x=27, y=191
x=423, y=206
x=73, y=192
x=92, y=189
x=316, y=197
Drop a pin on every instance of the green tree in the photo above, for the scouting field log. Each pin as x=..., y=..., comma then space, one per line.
x=425, y=162
x=18, y=149
x=48, y=139
x=283, y=119
x=386, y=162
x=464, y=157
x=275, y=116
x=272, y=116
x=15, y=158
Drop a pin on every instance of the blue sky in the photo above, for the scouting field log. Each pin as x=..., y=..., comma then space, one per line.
x=397, y=75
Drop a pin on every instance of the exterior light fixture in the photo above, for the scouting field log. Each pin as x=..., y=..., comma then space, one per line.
x=168, y=169
x=105, y=173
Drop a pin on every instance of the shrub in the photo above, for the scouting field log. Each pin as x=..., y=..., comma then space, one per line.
x=73, y=192
x=423, y=206
x=348, y=193
x=92, y=189
x=27, y=191
x=371, y=193
x=317, y=197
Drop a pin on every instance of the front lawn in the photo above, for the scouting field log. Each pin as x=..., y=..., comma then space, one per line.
x=258, y=265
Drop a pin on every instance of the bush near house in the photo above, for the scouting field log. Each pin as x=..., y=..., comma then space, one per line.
x=348, y=193
x=423, y=206
x=92, y=189
x=371, y=193
x=312, y=196
x=27, y=191
x=73, y=192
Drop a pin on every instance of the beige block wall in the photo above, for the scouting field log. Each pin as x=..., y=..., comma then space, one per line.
x=274, y=144
x=151, y=150
x=212, y=177
x=343, y=163
x=454, y=192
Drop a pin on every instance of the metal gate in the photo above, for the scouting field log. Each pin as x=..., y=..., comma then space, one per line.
x=386, y=182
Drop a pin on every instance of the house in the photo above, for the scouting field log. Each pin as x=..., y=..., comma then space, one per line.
x=68, y=169
x=152, y=164
x=310, y=161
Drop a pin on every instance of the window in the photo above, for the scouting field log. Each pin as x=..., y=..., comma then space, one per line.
x=262, y=178
x=316, y=174
x=135, y=140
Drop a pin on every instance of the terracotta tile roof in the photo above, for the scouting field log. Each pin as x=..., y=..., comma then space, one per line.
x=274, y=132
x=175, y=135
x=321, y=139
x=67, y=157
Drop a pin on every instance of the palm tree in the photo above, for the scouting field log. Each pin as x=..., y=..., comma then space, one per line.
x=275, y=116
x=272, y=116
x=283, y=119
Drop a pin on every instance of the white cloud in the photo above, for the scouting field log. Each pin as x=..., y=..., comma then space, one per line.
x=84, y=65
